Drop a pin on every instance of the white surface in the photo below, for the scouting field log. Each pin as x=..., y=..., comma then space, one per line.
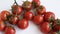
x=51, y=5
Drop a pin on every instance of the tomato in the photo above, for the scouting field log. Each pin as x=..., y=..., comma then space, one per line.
x=56, y=25
x=23, y=24
x=45, y=27
x=13, y=20
x=27, y=5
x=10, y=30
x=54, y=33
x=4, y=14
x=16, y=9
x=49, y=16
x=2, y=25
x=41, y=10
x=36, y=3
x=38, y=19
x=28, y=15
x=56, y=28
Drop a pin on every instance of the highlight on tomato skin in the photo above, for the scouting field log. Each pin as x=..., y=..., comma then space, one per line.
x=4, y=14
x=2, y=25
x=38, y=19
x=27, y=5
x=23, y=24
x=28, y=15
x=10, y=30
x=45, y=27
x=49, y=16
x=41, y=10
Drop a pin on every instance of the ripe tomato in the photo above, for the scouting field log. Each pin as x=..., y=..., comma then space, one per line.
x=23, y=23
x=16, y=9
x=56, y=25
x=56, y=28
x=54, y=33
x=2, y=25
x=49, y=16
x=10, y=30
x=4, y=14
x=38, y=19
x=41, y=10
x=45, y=27
x=36, y=3
x=27, y=5
x=28, y=15
x=13, y=20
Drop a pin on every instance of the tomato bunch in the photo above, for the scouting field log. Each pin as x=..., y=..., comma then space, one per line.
x=20, y=15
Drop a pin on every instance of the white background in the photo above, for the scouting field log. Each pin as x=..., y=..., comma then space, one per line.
x=51, y=5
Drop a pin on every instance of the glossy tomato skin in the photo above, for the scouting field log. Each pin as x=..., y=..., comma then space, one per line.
x=23, y=24
x=36, y=3
x=38, y=19
x=45, y=27
x=2, y=25
x=41, y=10
x=13, y=20
x=16, y=9
x=27, y=5
x=49, y=16
x=4, y=14
x=10, y=30
x=28, y=15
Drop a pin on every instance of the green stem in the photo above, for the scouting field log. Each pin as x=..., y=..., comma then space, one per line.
x=15, y=2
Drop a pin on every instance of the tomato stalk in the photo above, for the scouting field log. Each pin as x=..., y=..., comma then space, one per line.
x=52, y=19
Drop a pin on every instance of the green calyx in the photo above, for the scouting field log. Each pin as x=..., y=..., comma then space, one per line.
x=51, y=19
x=26, y=3
x=33, y=4
x=40, y=7
x=58, y=21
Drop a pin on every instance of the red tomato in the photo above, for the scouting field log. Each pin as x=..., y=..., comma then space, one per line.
x=53, y=33
x=10, y=30
x=41, y=10
x=28, y=15
x=13, y=20
x=56, y=28
x=23, y=24
x=16, y=9
x=49, y=16
x=2, y=25
x=27, y=5
x=38, y=19
x=4, y=15
x=36, y=3
x=45, y=27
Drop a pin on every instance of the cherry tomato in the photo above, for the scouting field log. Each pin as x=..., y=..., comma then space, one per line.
x=27, y=5
x=56, y=28
x=28, y=15
x=4, y=15
x=56, y=25
x=38, y=19
x=45, y=27
x=54, y=33
x=36, y=3
x=2, y=25
x=10, y=30
x=23, y=24
x=41, y=10
x=13, y=20
x=16, y=9
x=49, y=16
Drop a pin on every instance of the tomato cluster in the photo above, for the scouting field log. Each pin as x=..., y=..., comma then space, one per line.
x=20, y=15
